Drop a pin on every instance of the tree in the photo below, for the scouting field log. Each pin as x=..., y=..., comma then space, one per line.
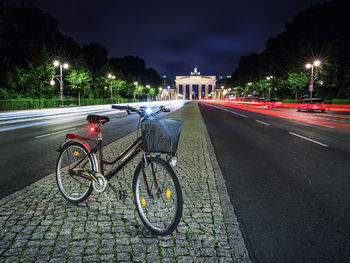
x=297, y=81
x=139, y=90
x=152, y=92
x=40, y=71
x=80, y=77
x=261, y=86
x=325, y=37
x=116, y=84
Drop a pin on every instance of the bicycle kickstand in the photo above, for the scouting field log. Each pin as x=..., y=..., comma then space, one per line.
x=109, y=200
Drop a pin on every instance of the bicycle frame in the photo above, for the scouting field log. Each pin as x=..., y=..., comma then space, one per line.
x=128, y=154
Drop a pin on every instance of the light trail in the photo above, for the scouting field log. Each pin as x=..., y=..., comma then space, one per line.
x=292, y=115
x=53, y=133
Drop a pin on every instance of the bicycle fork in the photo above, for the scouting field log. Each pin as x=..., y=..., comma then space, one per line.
x=144, y=164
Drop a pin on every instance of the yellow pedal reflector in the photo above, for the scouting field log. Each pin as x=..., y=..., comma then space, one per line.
x=168, y=193
x=76, y=153
x=143, y=201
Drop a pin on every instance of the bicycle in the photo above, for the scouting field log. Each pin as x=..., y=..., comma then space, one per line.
x=156, y=188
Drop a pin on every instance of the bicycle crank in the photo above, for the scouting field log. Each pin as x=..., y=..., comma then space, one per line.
x=100, y=184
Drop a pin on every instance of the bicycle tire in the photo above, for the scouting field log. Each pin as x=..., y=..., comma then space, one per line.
x=160, y=210
x=73, y=188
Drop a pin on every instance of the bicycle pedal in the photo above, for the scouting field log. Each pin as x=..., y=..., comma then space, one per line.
x=123, y=194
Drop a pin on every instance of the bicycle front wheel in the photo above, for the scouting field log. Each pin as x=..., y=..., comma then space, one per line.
x=158, y=196
x=74, y=156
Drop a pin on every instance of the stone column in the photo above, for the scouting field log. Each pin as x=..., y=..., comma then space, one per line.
x=184, y=91
x=177, y=91
x=206, y=91
x=199, y=91
x=191, y=87
x=213, y=88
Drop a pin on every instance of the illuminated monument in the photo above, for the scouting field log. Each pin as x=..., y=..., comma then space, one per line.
x=195, y=79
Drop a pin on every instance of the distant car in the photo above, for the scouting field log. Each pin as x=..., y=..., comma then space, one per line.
x=314, y=104
x=274, y=103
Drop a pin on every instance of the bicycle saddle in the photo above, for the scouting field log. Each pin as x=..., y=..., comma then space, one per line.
x=97, y=119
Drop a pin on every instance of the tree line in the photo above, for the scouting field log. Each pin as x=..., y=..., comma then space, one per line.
x=317, y=33
x=30, y=41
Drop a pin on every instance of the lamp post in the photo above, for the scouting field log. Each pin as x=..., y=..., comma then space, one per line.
x=135, y=83
x=112, y=77
x=269, y=78
x=148, y=87
x=316, y=63
x=249, y=84
x=59, y=77
x=160, y=93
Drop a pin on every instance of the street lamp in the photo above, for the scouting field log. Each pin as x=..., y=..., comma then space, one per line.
x=222, y=90
x=316, y=63
x=148, y=87
x=135, y=83
x=160, y=93
x=59, y=77
x=269, y=78
x=112, y=77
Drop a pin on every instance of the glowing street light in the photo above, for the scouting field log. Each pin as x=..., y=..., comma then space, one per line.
x=112, y=77
x=135, y=83
x=160, y=92
x=59, y=77
x=269, y=78
x=316, y=63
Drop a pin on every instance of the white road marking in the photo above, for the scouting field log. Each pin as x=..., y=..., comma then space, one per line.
x=292, y=133
x=48, y=134
x=228, y=111
x=263, y=122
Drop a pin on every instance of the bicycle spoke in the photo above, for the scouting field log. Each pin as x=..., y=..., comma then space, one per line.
x=74, y=188
x=161, y=211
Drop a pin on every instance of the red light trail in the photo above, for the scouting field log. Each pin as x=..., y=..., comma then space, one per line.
x=288, y=111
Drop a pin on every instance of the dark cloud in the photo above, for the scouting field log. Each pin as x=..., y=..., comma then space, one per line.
x=174, y=36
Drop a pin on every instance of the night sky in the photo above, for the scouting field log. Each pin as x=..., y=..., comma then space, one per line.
x=175, y=36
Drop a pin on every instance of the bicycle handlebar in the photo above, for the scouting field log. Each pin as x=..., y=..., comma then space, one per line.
x=141, y=111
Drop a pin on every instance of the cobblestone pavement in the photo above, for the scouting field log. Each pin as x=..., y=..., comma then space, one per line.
x=38, y=225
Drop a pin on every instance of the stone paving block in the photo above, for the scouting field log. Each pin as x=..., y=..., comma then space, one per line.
x=38, y=220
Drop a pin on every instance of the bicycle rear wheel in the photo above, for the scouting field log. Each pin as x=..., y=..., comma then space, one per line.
x=74, y=189
x=158, y=196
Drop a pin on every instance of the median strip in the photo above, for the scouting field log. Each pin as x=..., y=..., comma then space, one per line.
x=292, y=133
x=44, y=135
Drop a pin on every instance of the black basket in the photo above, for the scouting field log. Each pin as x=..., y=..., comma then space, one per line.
x=161, y=135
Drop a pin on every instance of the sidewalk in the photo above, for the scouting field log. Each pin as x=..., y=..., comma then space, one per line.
x=38, y=225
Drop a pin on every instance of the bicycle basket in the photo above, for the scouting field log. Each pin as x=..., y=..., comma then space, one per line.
x=161, y=135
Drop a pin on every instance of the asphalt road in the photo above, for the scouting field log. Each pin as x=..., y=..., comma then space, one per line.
x=28, y=146
x=289, y=182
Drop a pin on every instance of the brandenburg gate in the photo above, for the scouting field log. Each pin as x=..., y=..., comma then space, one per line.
x=195, y=79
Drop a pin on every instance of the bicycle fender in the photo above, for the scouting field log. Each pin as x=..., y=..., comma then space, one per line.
x=74, y=137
